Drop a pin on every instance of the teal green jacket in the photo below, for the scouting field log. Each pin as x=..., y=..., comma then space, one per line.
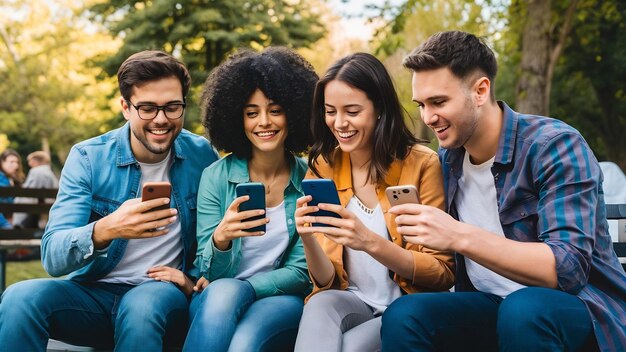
x=215, y=194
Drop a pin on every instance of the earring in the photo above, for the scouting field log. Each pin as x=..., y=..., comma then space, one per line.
x=378, y=118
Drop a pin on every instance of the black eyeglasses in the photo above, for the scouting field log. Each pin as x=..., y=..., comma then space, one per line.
x=172, y=111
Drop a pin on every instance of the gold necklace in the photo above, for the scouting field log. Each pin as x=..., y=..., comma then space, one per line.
x=268, y=185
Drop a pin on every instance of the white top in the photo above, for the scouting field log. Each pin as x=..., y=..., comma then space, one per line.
x=142, y=254
x=260, y=254
x=367, y=277
x=476, y=204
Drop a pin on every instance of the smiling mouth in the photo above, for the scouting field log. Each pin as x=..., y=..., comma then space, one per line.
x=440, y=128
x=159, y=132
x=346, y=134
x=266, y=134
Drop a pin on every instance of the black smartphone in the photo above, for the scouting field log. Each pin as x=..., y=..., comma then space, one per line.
x=402, y=194
x=256, y=192
x=322, y=190
x=154, y=190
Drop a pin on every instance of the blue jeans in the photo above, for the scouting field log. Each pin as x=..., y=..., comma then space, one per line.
x=227, y=317
x=530, y=319
x=101, y=315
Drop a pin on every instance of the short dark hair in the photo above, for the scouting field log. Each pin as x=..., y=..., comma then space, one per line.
x=281, y=74
x=464, y=53
x=39, y=156
x=392, y=138
x=148, y=66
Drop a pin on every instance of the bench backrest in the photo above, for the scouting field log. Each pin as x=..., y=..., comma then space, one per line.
x=618, y=212
x=38, y=206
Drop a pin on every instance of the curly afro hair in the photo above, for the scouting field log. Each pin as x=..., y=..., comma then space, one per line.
x=281, y=74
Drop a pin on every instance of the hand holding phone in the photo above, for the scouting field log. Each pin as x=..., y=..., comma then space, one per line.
x=154, y=190
x=402, y=194
x=256, y=192
x=323, y=191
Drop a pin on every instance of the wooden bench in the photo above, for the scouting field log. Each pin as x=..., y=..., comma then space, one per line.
x=21, y=237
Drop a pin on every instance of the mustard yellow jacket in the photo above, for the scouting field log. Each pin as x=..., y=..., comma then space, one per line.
x=432, y=270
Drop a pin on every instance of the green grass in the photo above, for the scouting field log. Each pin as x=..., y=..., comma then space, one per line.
x=24, y=270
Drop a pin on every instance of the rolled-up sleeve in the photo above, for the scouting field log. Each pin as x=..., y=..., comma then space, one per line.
x=567, y=177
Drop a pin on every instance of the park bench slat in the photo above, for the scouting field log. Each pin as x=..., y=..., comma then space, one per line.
x=43, y=208
x=28, y=192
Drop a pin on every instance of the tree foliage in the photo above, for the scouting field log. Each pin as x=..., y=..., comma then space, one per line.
x=203, y=32
x=587, y=89
x=46, y=88
x=404, y=27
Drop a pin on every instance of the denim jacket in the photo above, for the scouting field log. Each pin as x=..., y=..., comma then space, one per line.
x=217, y=191
x=99, y=175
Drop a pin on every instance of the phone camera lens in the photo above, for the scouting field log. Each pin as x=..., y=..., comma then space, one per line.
x=150, y=189
x=405, y=190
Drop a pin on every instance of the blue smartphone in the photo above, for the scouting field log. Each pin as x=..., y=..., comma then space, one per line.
x=256, y=191
x=322, y=190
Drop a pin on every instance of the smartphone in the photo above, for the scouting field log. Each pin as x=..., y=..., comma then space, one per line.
x=323, y=191
x=402, y=194
x=154, y=190
x=256, y=192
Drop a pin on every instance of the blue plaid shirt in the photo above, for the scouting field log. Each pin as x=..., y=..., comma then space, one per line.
x=549, y=189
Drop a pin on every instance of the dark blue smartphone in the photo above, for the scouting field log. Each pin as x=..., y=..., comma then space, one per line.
x=322, y=190
x=256, y=191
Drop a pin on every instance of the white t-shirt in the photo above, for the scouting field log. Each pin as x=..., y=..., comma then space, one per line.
x=367, y=277
x=476, y=204
x=261, y=254
x=142, y=254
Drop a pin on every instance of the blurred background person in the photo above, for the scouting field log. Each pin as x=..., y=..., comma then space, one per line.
x=11, y=174
x=40, y=175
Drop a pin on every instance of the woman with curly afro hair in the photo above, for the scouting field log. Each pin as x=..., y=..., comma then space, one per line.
x=256, y=105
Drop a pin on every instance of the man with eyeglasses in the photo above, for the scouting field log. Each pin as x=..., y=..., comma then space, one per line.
x=129, y=267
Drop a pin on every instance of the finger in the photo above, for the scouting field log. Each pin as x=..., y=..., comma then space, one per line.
x=148, y=205
x=247, y=214
x=156, y=269
x=408, y=220
x=408, y=208
x=158, y=214
x=303, y=200
x=234, y=206
x=246, y=225
x=156, y=225
x=413, y=239
x=304, y=210
x=335, y=208
x=326, y=220
x=243, y=233
x=155, y=233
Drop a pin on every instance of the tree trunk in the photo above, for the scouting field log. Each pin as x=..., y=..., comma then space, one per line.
x=536, y=48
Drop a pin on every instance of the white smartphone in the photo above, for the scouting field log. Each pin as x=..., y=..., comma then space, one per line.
x=402, y=194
